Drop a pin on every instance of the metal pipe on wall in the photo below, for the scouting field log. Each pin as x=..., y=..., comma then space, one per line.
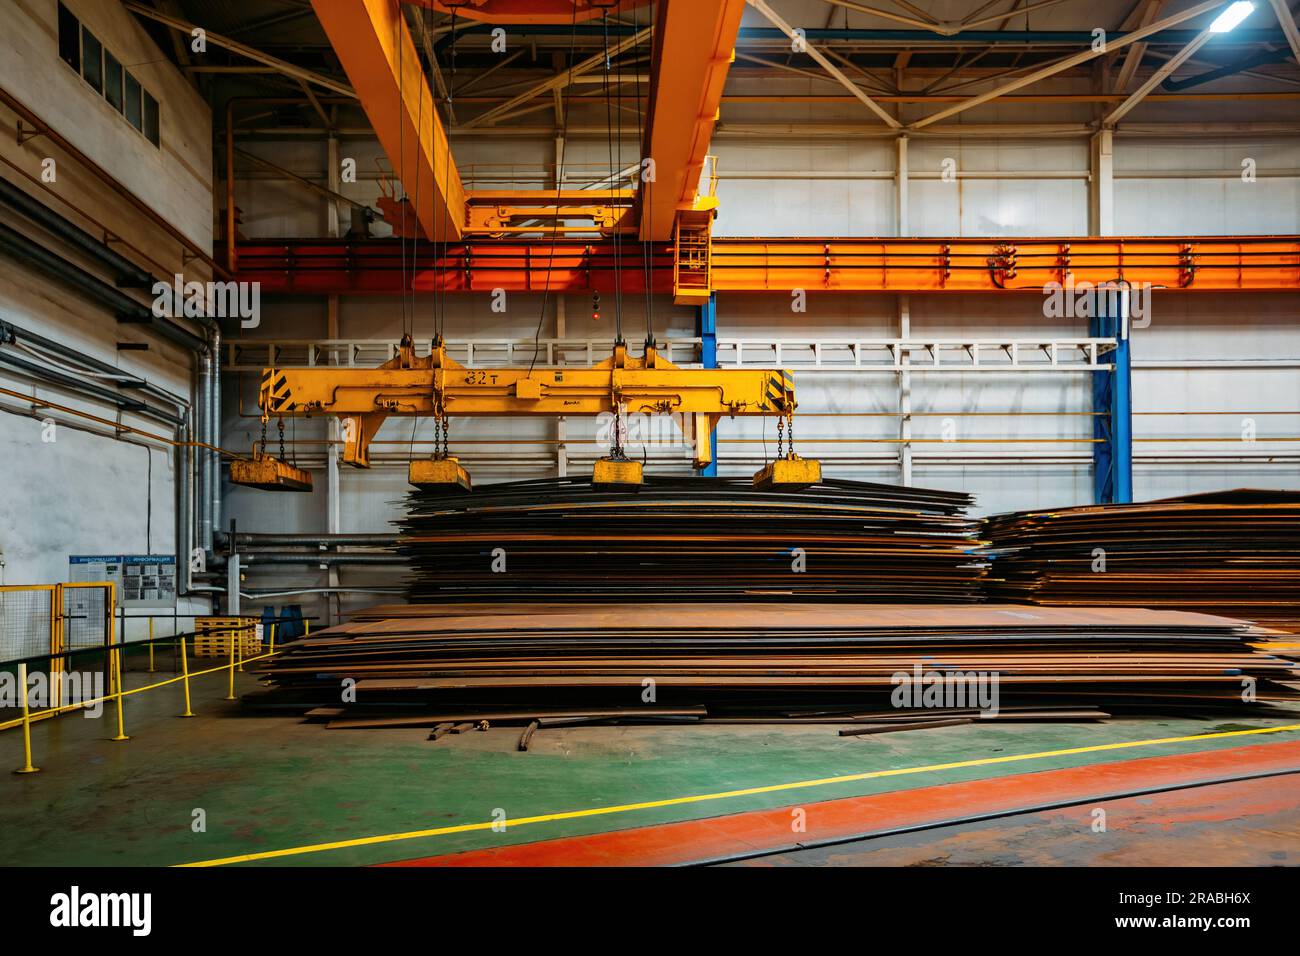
x=180, y=433
x=25, y=250
x=202, y=401
x=184, y=512
x=247, y=539
x=125, y=272
x=251, y=559
x=214, y=435
x=79, y=357
x=85, y=389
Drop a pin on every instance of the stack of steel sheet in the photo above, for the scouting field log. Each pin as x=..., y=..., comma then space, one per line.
x=691, y=539
x=1233, y=552
x=765, y=661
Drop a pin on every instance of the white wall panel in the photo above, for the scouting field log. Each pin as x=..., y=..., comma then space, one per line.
x=1024, y=440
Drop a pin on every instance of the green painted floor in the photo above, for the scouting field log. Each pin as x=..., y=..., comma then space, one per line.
x=271, y=783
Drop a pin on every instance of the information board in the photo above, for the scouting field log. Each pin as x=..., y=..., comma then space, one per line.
x=143, y=580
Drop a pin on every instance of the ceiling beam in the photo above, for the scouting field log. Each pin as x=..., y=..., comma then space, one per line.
x=1155, y=79
x=1081, y=57
x=505, y=61
x=826, y=64
x=179, y=48
x=1288, y=26
x=694, y=47
x=1133, y=56
x=947, y=28
x=975, y=14
x=1002, y=18
x=901, y=60
x=242, y=49
x=873, y=82
x=315, y=103
x=927, y=24
x=275, y=20
x=915, y=10
x=376, y=49
x=557, y=81
x=439, y=82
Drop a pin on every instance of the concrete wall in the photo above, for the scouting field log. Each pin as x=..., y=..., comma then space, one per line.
x=174, y=179
x=77, y=487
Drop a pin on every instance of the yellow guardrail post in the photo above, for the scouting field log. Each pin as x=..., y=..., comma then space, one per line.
x=185, y=679
x=117, y=670
x=231, y=665
x=57, y=664
x=117, y=689
x=27, y=724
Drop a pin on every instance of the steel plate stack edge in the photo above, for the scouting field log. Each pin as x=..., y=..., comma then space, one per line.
x=545, y=602
x=1235, y=553
x=511, y=662
x=692, y=539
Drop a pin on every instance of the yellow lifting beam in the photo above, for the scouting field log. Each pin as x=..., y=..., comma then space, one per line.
x=438, y=386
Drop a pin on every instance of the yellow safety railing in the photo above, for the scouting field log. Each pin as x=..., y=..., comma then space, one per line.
x=118, y=691
x=35, y=621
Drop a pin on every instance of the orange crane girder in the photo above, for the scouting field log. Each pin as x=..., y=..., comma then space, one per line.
x=779, y=266
x=693, y=50
x=375, y=47
x=1014, y=264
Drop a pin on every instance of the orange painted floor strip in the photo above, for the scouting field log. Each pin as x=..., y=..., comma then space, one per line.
x=768, y=831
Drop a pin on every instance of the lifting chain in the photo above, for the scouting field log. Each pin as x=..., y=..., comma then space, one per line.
x=791, y=436
x=263, y=435
x=441, y=436
x=281, y=424
x=616, y=442
x=780, y=437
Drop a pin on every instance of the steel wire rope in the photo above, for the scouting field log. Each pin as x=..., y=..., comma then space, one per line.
x=559, y=184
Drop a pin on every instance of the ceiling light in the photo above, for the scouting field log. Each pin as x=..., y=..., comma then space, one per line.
x=1233, y=15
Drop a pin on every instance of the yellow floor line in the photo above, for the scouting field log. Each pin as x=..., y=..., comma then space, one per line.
x=724, y=795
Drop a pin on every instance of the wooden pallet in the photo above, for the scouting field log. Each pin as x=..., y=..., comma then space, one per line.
x=213, y=636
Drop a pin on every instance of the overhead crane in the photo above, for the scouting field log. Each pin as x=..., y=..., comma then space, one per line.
x=526, y=240
x=377, y=50
x=693, y=48
x=437, y=386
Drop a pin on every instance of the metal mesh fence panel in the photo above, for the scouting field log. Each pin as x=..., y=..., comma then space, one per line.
x=85, y=618
x=25, y=623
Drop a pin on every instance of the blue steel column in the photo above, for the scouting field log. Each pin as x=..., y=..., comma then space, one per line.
x=1112, y=403
x=706, y=327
